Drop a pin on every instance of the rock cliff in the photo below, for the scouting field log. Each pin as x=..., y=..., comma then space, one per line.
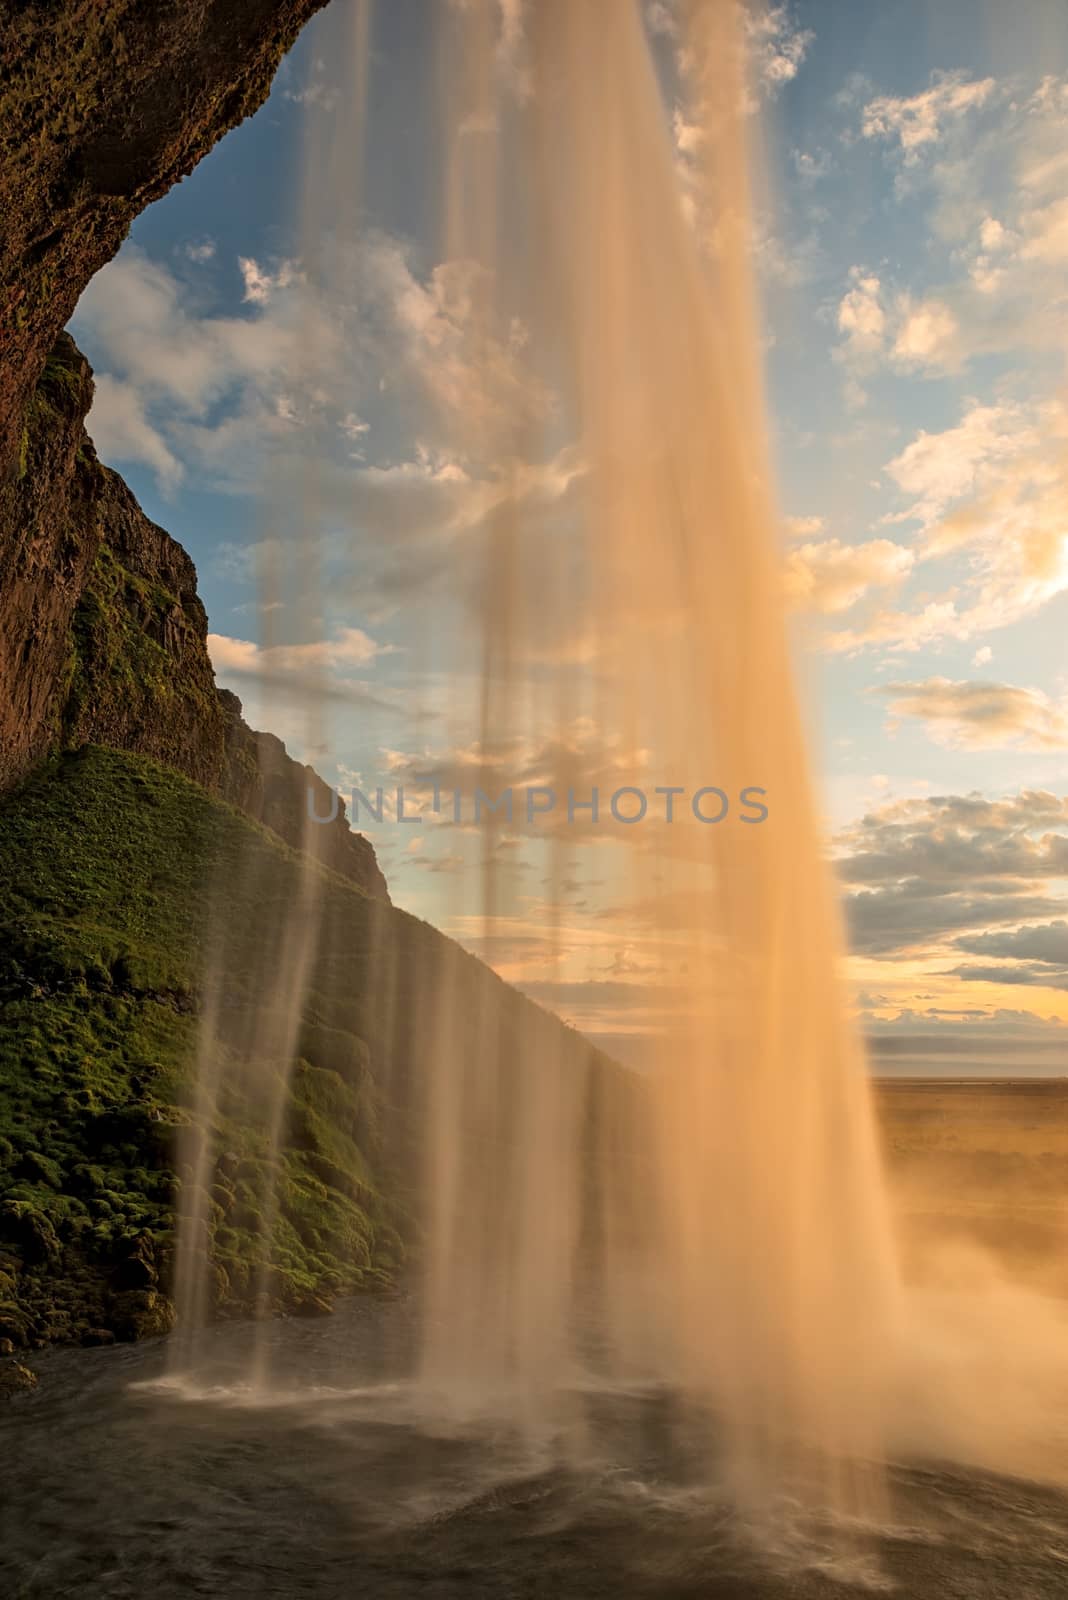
x=102, y=633
x=104, y=104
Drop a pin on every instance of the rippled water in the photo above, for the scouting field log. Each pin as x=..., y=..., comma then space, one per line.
x=114, y=1483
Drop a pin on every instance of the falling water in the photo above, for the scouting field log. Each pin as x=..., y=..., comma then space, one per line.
x=257, y=980
x=764, y=1241
x=717, y=1224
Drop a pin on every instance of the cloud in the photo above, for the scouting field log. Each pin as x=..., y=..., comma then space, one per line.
x=1002, y=1041
x=992, y=234
x=997, y=249
x=995, y=490
x=963, y=838
x=199, y=250
x=660, y=17
x=972, y=715
x=409, y=537
x=992, y=162
x=777, y=46
x=510, y=46
x=811, y=165
x=215, y=388
x=1029, y=973
x=830, y=577
x=917, y=872
x=148, y=329
x=294, y=376
x=911, y=335
x=422, y=522
x=348, y=647
x=1045, y=233
x=578, y=758
x=121, y=431
x=938, y=468
x=446, y=343
x=990, y=501
x=353, y=427
x=1048, y=942
x=788, y=262
x=261, y=283
x=317, y=90
x=322, y=668
x=802, y=527
x=861, y=316
x=907, y=919
x=688, y=136
x=927, y=335
x=1035, y=955
x=917, y=121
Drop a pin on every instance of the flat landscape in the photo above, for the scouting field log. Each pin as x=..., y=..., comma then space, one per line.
x=980, y=1164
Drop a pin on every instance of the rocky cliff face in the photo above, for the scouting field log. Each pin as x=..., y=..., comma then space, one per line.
x=102, y=634
x=104, y=104
x=47, y=549
x=264, y=781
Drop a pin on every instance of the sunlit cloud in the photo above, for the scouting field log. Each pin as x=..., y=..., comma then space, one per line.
x=989, y=495
x=973, y=715
x=919, y=872
x=830, y=577
x=328, y=669
x=777, y=45
x=916, y=122
x=927, y=334
x=861, y=316
x=121, y=431
x=261, y=282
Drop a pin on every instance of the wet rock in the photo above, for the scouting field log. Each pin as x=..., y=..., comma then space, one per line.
x=14, y=1325
x=139, y=1270
x=313, y=1305
x=15, y=1379
x=29, y=1230
x=141, y=1314
x=219, y=1285
x=97, y=1336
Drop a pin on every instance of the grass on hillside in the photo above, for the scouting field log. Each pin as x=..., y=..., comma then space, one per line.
x=107, y=863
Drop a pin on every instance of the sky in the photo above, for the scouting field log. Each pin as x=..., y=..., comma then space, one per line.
x=911, y=245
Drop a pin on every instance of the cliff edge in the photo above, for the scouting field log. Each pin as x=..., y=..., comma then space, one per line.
x=105, y=104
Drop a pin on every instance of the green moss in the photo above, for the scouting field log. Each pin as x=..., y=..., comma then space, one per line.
x=60, y=378
x=111, y=654
x=63, y=393
x=137, y=673
x=124, y=888
x=105, y=868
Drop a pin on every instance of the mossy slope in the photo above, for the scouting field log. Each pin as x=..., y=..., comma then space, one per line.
x=106, y=866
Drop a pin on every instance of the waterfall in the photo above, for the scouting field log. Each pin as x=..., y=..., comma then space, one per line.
x=765, y=1243
x=716, y=1224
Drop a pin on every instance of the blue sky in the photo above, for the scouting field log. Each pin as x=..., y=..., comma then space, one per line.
x=911, y=242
